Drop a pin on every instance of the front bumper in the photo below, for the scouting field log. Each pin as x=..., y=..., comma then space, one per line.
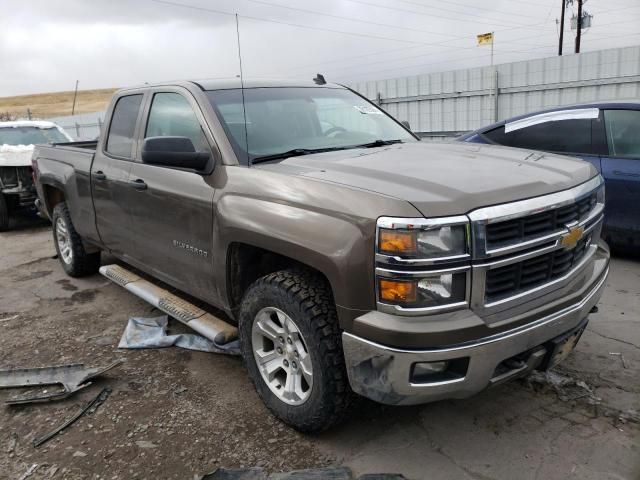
x=384, y=374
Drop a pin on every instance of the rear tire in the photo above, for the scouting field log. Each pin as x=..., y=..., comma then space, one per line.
x=71, y=252
x=288, y=320
x=4, y=214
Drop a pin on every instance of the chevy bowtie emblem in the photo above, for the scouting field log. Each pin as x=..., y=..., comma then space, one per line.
x=570, y=239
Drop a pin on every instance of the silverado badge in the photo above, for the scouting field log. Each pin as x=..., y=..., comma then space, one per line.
x=570, y=239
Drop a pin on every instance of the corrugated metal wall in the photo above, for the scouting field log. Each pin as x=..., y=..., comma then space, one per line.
x=449, y=103
x=84, y=126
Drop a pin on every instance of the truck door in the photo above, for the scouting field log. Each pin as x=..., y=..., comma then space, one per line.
x=621, y=170
x=110, y=174
x=171, y=210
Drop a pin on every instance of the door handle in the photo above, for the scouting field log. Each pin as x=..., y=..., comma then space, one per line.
x=625, y=174
x=138, y=184
x=99, y=175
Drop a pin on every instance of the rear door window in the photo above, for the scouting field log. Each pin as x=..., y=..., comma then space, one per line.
x=623, y=132
x=171, y=115
x=123, y=125
x=566, y=136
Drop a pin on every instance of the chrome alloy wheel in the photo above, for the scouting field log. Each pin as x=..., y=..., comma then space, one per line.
x=282, y=356
x=64, y=242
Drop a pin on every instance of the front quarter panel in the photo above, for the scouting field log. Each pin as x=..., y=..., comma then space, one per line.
x=327, y=227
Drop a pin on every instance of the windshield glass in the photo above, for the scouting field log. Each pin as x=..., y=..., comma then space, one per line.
x=30, y=135
x=285, y=118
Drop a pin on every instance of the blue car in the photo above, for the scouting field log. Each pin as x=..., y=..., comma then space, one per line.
x=607, y=134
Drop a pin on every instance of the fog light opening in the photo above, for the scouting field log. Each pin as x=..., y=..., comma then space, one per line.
x=441, y=371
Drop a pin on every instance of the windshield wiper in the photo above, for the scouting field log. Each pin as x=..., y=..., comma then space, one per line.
x=377, y=143
x=296, y=152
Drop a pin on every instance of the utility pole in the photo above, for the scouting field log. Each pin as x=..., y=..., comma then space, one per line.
x=579, y=27
x=561, y=28
x=75, y=94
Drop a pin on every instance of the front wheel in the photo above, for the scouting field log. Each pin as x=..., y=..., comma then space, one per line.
x=292, y=349
x=71, y=252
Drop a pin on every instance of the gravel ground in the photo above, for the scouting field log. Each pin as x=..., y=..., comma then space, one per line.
x=174, y=413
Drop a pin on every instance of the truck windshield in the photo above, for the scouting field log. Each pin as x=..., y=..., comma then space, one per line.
x=30, y=135
x=301, y=119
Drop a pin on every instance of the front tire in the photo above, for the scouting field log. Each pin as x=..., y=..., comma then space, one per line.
x=4, y=214
x=71, y=252
x=292, y=349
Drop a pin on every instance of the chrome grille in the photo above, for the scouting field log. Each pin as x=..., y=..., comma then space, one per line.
x=526, y=228
x=518, y=277
x=520, y=251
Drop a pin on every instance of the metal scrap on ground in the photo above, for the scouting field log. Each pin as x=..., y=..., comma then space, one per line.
x=340, y=473
x=72, y=378
x=89, y=407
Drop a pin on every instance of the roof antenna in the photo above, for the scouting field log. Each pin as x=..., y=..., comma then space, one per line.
x=244, y=110
x=319, y=80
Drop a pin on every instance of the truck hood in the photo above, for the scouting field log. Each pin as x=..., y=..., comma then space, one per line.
x=443, y=178
x=15, y=155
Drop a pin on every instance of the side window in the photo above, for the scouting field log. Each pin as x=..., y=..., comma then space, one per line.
x=171, y=115
x=570, y=136
x=123, y=124
x=623, y=132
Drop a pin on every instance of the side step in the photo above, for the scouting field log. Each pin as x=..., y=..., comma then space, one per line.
x=202, y=322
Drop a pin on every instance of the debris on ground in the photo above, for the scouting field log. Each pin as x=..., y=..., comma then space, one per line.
x=29, y=472
x=72, y=378
x=618, y=354
x=339, y=473
x=567, y=388
x=152, y=333
x=90, y=407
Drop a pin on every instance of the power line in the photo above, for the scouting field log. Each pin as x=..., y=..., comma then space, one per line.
x=350, y=19
x=291, y=24
x=449, y=2
x=431, y=15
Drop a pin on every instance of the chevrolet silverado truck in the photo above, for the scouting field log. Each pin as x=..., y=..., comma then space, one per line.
x=346, y=255
x=17, y=140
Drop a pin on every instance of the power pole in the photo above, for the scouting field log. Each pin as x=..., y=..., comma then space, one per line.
x=579, y=26
x=75, y=93
x=561, y=28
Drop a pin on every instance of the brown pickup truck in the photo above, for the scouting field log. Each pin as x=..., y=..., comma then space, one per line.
x=347, y=255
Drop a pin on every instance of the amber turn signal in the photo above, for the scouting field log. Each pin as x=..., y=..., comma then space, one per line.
x=393, y=291
x=398, y=242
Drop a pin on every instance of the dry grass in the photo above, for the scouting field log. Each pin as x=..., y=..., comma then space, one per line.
x=45, y=105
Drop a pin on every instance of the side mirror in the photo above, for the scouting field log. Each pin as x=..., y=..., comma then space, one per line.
x=173, y=152
x=406, y=124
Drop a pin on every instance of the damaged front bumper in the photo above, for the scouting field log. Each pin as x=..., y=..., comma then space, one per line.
x=398, y=376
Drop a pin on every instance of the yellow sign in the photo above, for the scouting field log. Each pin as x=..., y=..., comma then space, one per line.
x=571, y=239
x=485, y=39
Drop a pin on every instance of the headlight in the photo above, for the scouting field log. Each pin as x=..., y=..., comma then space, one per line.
x=422, y=264
x=600, y=196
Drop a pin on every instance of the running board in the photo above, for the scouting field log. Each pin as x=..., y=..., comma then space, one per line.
x=202, y=322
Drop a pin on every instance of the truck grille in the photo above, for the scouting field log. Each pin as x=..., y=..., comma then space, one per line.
x=518, y=277
x=538, y=225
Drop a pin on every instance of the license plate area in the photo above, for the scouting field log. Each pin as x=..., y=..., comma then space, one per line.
x=560, y=347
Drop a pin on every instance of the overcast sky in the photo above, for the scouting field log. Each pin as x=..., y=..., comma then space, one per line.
x=45, y=45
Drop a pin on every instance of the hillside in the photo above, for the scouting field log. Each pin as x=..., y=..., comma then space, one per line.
x=45, y=105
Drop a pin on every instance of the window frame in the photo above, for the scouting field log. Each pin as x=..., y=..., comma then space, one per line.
x=200, y=117
x=136, y=128
x=608, y=153
x=592, y=130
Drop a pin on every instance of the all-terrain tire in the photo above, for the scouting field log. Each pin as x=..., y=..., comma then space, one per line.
x=4, y=214
x=74, y=259
x=307, y=300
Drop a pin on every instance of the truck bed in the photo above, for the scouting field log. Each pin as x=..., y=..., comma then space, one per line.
x=67, y=167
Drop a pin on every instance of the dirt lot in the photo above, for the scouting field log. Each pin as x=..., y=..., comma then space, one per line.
x=175, y=413
x=46, y=105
